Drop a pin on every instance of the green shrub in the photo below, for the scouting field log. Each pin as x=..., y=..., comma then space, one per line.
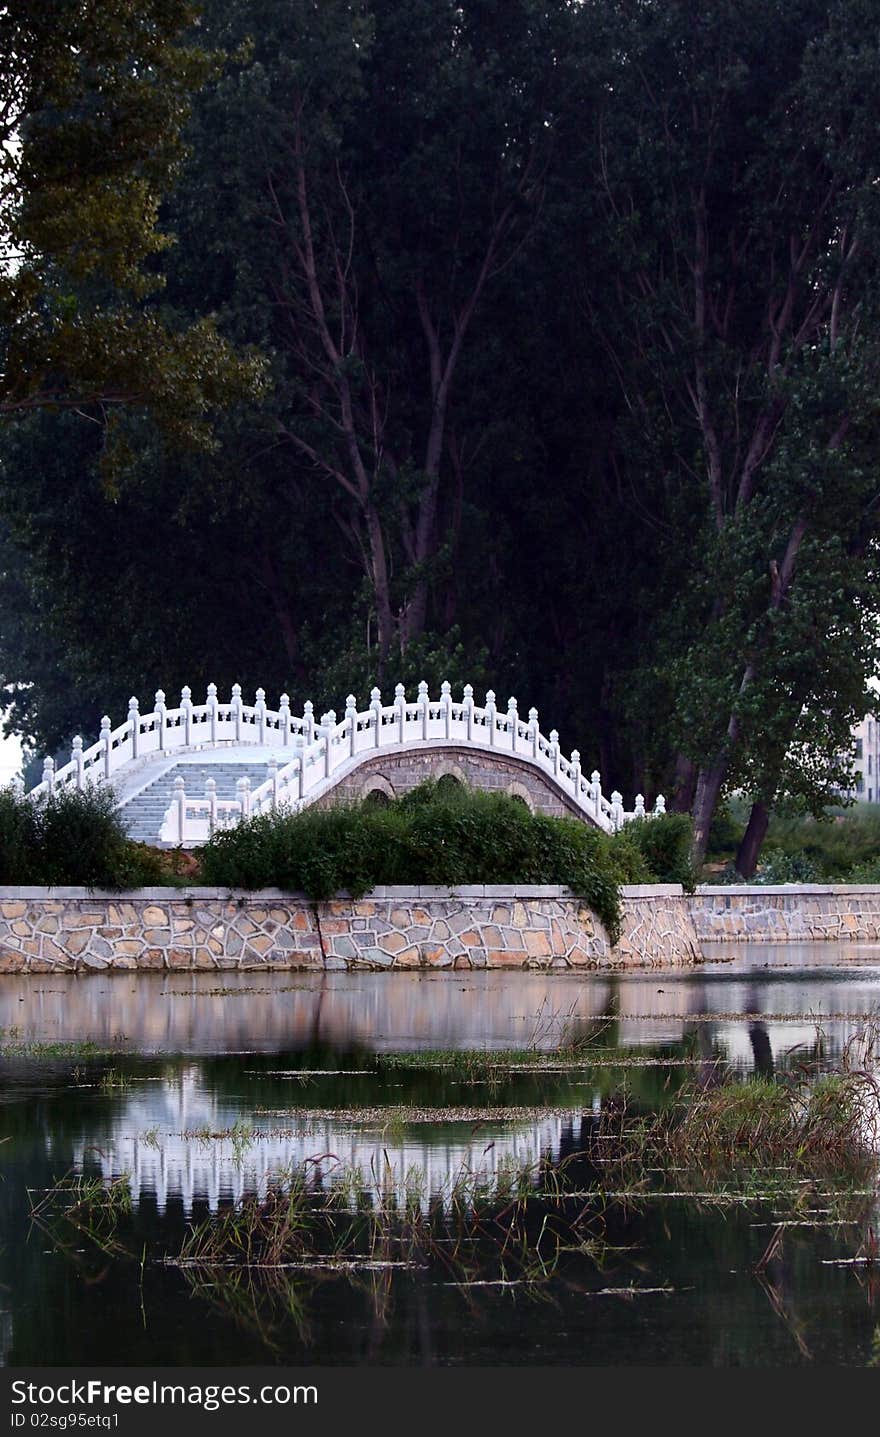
x=829, y=848
x=72, y=838
x=432, y=835
x=867, y=872
x=725, y=831
x=19, y=838
x=777, y=866
x=664, y=843
x=630, y=864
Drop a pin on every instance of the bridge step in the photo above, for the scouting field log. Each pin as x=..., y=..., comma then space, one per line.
x=144, y=813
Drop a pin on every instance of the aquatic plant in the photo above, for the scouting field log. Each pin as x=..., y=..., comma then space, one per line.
x=825, y=1127
x=85, y=1207
x=13, y=1044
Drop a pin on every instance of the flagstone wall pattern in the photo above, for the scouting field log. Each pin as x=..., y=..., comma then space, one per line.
x=787, y=913
x=47, y=930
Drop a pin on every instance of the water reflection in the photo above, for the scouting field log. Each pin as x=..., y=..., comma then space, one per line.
x=789, y=988
x=177, y=1140
x=680, y=1280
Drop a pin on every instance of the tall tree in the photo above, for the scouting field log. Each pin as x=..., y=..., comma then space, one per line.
x=95, y=95
x=390, y=162
x=736, y=160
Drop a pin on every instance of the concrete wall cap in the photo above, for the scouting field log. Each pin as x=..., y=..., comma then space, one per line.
x=791, y=890
x=259, y=895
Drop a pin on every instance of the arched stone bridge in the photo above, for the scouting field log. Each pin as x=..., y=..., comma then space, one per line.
x=180, y=773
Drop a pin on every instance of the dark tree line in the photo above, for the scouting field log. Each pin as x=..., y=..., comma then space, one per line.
x=555, y=326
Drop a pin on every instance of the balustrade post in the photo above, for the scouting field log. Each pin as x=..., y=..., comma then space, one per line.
x=284, y=717
x=105, y=743
x=376, y=710
x=211, y=706
x=512, y=722
x=235, y=706
x=186, y=708
x=400, y=710
x=576, y=773
x=491, y=713
x=554, y=750
x=423, y=707
x=616, y=811
x=659, y=806
x=160, y=712
x=308, y=722
x=351, y=720
x=273, y=780
x=328, y=724
x=179, y=801
x=134, y=722
x=596, y=792
x=534, y=731
x=49, y=774
x=211, y=796
x=260, y=715
x=446, y=707
x=243, y=794
x=468, y=710
x=301, y=775
x=639, y=810
x=76, y=759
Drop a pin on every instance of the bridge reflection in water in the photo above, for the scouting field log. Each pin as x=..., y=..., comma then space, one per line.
x=177, y=1140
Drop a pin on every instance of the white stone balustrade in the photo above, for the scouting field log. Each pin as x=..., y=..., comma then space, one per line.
x=165, y=731
x=322, y=753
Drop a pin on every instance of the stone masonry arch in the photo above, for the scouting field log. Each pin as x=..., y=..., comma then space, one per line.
x=376, y=783
x=515, y=789
x=474, y=768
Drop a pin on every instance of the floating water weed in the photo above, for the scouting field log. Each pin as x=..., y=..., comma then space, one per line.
x=14, y=1045
x=86, y=1206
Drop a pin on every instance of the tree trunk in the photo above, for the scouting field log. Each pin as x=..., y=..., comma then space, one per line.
x=381, y=584
x=750, y=847
x=683, y=784
x=709, y=784
x=283, y=617
x=414, y=616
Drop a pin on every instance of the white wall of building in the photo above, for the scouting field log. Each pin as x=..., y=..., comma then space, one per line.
x=866, y=737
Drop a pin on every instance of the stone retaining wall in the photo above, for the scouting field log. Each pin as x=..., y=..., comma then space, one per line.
x=68, y=929
x=787, y=913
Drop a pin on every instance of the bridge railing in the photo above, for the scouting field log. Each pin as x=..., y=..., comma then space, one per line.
x=331, y=744
x=165, y=731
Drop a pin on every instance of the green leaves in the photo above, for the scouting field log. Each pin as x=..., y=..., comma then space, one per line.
x=99, y=95
x=72, y=837
x=429, y=836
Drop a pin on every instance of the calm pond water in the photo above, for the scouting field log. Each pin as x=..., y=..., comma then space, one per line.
x=202, y=1092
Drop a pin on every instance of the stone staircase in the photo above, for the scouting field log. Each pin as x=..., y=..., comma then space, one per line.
x=144, y=813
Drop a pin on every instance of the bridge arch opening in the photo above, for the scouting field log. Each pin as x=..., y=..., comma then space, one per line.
x=450, y=777
x=377, y=790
